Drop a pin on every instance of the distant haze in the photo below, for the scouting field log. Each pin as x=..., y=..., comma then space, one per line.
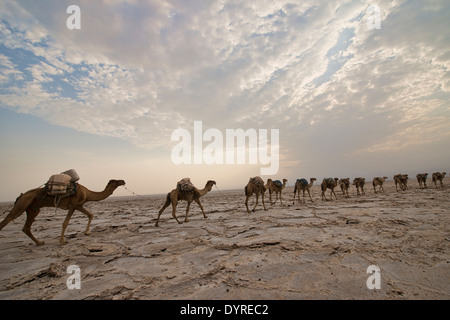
x=349, y=100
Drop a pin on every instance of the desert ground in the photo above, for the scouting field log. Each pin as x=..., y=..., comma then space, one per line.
x=316, y=250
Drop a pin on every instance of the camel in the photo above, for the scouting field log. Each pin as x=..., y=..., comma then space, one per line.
x=177, y=194
x=345, y=184
x=422, y=180
x=255, y=186
x=402, y=180
x=277, y=187
x=302, y=185
x=437, y=176
x=378, y=181
x=328, y=183
x=33, y=200
x=359, y=184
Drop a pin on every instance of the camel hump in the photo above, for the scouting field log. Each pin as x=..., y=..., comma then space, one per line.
x=278, y=183
x=257, y=181
x=185, y=185
x=303, y=181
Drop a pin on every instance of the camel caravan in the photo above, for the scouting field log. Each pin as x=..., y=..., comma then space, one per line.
x=64, y=192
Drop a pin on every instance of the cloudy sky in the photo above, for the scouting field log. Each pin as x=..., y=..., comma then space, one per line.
x=348, y=99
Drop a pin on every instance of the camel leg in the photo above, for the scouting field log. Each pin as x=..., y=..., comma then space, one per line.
x=281, y=200
x=201, y=207
x=324, y=196
x=270, y=197
x=257, y=196
x=174, y=208
x=187, y=211
x=62, y=240
x=264, y=205
x=162, y=210
x=31, y=215
x=331, y=194
x=90, y=216
x=309, y=194
x=246, y=203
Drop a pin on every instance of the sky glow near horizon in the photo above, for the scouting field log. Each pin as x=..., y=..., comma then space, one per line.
x=104, y=100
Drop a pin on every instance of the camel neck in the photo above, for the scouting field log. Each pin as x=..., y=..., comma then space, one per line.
x=204, y=191
x=99, y=195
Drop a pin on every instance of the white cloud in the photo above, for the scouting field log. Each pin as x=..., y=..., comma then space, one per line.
x=139, y=70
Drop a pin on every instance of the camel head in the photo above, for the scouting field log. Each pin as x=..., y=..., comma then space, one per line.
x=115, y=183
x=312, y=179
x=210, y=184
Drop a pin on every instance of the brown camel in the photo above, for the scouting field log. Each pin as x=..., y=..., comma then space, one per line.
x=402, y=181
x=255, y=186
x=438, y=176
x=345, y=184
x=33, y=200
x=302, y=185
x=329, y=183
x=378, y=181
x=359, y=184
x=422, y=180
x=275, y=186
x=177, y=194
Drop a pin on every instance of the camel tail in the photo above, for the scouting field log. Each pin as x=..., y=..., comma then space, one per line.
x=295, y=188
x=10, y=217
x=19, y=207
